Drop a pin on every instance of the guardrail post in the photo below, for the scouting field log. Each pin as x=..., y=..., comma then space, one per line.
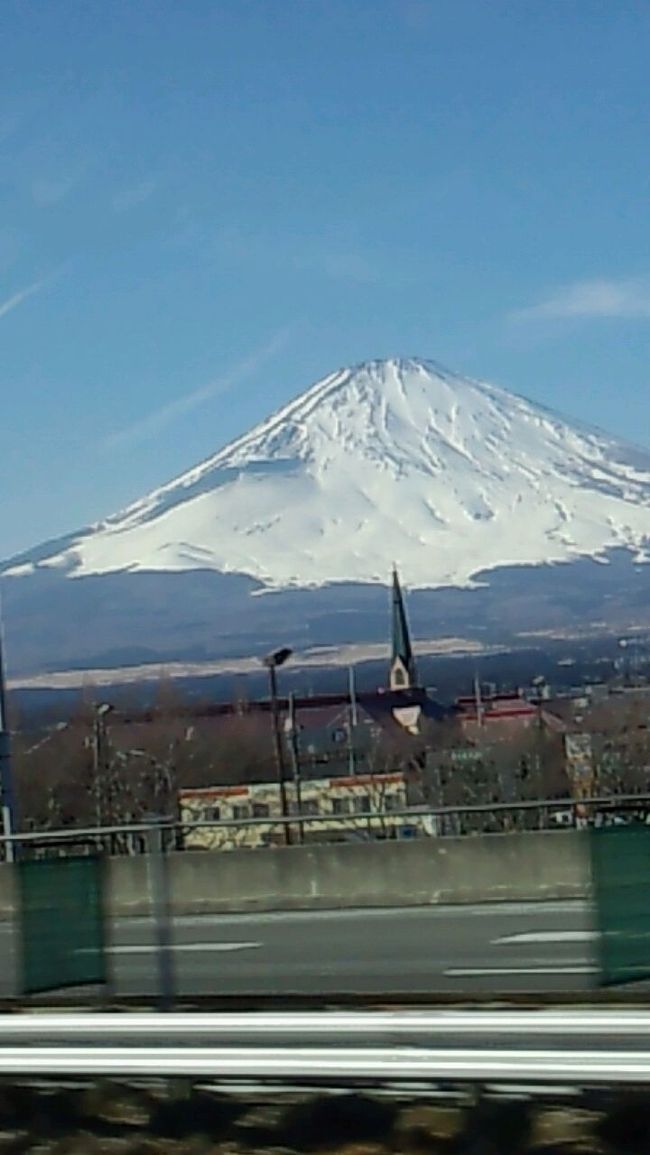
x=161, y=913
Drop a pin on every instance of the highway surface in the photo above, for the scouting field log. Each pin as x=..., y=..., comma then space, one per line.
x=531, y=947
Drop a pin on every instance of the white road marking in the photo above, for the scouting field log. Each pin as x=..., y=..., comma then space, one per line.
x=471, y=972
x=188, y=947
x=548, y=936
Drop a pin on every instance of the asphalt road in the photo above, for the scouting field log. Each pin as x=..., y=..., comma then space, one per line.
x=531, y=947
x=516, y=947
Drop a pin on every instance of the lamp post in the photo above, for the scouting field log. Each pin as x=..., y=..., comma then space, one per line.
x=291, y=730
x=273, y=662
x=100, y=760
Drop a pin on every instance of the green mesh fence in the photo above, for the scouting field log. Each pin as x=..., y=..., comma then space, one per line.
x=61, y=923
x=620, y=858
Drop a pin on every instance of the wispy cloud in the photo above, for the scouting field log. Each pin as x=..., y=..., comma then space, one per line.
x=603, y=297
x=10, y=246
x=340, y=266
x=11, y=303
x=332, y=256
x=51, y=172
x=158, y=420
x=53, y=187
x=137, y=194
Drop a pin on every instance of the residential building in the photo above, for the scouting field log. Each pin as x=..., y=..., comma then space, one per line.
x=495, y=717
x=350, y=808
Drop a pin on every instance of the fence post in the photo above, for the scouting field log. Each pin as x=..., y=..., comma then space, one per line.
x=161, y=913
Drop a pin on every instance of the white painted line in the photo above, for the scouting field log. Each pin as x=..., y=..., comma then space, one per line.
x=190, y=947
x=186, y=947
x=548, y=936
x=470, y=972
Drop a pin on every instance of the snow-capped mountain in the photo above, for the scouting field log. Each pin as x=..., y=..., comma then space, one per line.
x=394, y=460
x=474, y=492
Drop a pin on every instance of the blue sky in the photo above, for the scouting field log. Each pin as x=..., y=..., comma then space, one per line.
x=204, y=207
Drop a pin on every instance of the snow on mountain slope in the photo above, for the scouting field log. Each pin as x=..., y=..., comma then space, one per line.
x=391, y=460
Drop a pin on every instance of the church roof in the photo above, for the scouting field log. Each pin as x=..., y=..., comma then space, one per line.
x=401, y=636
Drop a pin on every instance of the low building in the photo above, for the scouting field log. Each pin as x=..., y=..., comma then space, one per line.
x=501, y=716
x=359, y=808
x=335, y=738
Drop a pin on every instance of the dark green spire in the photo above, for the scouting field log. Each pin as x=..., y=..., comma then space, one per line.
x=402, y=650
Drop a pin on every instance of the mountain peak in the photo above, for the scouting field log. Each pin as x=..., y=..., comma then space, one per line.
x=389, y=459
x=398, y=365
x=383, y=372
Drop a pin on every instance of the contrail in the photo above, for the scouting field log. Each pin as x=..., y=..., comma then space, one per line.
x=20, y=296
x=154, y=422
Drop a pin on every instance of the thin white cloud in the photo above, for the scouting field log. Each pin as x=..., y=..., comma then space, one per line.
x=49, y=190
x=603, y=297
x=11, y=303
x=130, y=198
x=155, y=422
x=328, y=256
x=346, y=267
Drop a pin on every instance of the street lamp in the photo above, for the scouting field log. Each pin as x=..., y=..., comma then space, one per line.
x=273, y=661
x=101, y=765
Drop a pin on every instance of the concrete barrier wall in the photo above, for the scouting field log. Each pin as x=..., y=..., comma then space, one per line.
x=490, y=868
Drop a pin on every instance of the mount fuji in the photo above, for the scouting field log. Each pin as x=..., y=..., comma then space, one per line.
x=482, y=498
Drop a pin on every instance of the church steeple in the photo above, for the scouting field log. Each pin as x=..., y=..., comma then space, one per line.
x=402, y=669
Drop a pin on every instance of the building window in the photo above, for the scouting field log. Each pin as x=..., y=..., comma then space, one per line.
x=340, y=806
x=310, y=807
x=212, y=814
x=362, y=804
x=261, y=810
x=339, y=736
x=393, y=802
x=241, y=810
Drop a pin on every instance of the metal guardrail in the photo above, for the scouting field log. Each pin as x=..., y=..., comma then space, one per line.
x=615, y=1026
x=341, y=1047
x=355, y=821
x=334, y=1064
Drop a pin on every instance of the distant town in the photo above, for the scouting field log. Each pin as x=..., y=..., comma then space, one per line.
x=396, y=759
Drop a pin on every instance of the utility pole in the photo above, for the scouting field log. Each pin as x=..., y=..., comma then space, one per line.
x=97, y=769
x=102, y=787
x=478, y=699
x=295, y=760
x=6, y=775
x=353, y=721
x=273, y=662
